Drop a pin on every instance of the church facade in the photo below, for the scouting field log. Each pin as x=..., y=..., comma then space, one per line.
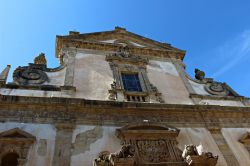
x=119, y=99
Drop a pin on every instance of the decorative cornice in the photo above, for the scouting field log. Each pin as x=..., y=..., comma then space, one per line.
x=62, y=43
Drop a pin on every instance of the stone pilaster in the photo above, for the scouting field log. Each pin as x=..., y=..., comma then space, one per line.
x=181, y=70
x=223, y=146
x=69, y=77
x=63, y=144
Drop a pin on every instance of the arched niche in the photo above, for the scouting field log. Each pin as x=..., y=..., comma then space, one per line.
x=15, y=144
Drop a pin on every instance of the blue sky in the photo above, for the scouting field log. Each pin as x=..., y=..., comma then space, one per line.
x=215, y=33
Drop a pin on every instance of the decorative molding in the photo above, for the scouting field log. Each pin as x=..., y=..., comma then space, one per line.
x=154, y=144
x=163, y=53
x=17, y=141
x=81, y=111
x=124, y=56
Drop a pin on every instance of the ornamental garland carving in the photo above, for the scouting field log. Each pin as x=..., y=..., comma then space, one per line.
x=124, y=55
x=154, y=143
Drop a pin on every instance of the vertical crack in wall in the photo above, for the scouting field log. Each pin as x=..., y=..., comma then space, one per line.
x=85, y=139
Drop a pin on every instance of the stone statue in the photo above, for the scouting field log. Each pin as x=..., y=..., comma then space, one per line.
x=106, y=158
x=103, y=159
x=199, y=75
x=40, y=59
x=126, y=151
x=190, y=150
x=193, y=157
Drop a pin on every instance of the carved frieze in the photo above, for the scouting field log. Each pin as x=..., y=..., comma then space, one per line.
x=154, y=144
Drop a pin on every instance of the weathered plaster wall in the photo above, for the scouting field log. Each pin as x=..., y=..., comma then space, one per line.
x=89, y=141
x=232, y=136
x=198, y=88
x=165, y=77
x=56, y=78
x=42, y=151
x=200, y=136
x=92, y=77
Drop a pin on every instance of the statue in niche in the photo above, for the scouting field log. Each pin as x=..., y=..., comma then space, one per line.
x=40, y=59
x=199, y=75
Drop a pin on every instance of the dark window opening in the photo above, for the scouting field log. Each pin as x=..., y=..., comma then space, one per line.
x=131, y=82
x=10, y=159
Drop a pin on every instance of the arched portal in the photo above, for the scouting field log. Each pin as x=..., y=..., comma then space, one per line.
x=10, y=159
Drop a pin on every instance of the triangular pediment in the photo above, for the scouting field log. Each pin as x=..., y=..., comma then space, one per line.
x=119, y=36
x=16, y=133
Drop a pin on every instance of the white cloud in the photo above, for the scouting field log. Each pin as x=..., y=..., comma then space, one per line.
x=233, y=52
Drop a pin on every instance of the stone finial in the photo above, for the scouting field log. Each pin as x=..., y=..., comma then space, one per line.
x=40, y=59
x=199, y=75
x=4, y=75
x=120, y=29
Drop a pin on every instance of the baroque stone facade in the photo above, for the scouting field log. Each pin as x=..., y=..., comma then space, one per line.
x=119, y=99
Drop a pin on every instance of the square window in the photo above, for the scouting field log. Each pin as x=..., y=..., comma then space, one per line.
x=131, y=82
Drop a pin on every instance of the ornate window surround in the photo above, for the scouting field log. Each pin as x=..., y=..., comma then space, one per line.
x=125, y=62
